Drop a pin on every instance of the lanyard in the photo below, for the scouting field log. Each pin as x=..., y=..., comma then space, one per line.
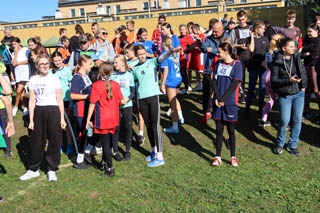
x=286, y=68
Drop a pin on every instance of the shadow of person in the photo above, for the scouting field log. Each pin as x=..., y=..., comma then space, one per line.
x=310, y=135
x=2, y=169
x=23, y=150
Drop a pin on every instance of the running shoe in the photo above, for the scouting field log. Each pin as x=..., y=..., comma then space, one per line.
x=14, y=111
x=52, y=176
x=264, y=123
x=155, y=163
x=234, y=162
x=206, y=117
x=8, y=153
x=96, y=150
x=1, y=199
x=25, y=111
x=216, y=161
x=277, y=150
x=181, y=120
x=82, y=165
x=151, y=157
x=127, y=156
x=118, y=157
x=141, y=139
x=109, y=172
x=293, y=151
x=189, y=89
x=171, y=130
x=29, y=175
x=168, y=113
x=88, y=158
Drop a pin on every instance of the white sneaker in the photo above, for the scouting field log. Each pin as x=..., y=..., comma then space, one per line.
x=96, y=150
x=168, y=113
x=189, y=89
x=52, y=176
x=25, y=111
x=29, y=174
x=14, y=111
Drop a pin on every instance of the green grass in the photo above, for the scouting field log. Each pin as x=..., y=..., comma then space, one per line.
x=263, y=182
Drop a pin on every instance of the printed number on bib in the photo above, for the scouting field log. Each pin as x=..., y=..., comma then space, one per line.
x=244, y=33
x=224, y=70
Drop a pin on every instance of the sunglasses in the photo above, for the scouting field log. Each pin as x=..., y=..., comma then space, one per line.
x=104, y=33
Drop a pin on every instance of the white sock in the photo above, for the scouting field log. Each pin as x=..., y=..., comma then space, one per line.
x=175, y=125
x=219, y=158
x=141, y=132
x=88, y=149
x=180, y=115
x=154, y=149
x=233, y=157
x=15, y=107
x=159, y=156
x=80, y=158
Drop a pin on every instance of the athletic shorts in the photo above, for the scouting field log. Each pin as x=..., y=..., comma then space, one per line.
x=225, y=113
x=22, y=82
x=174, y=87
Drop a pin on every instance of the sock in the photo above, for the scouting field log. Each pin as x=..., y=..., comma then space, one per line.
x=80, y=158
x=89, y=148
x=141, y=132
x=233, y=157
x=175, y=125
x=154, y=149
x=159, y=156
x=180, y=115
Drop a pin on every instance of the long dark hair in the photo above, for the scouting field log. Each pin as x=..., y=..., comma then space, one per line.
x=55, y=54
x=225, y=46
x=140, y=31
x=167, y=25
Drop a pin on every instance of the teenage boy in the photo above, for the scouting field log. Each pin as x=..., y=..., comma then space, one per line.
x=257, y=65
x=121, y=36
x=290, y=30
x=62, y=32
x=94, y=28
x=132, y=36
x=64, y=49
x=241, y=38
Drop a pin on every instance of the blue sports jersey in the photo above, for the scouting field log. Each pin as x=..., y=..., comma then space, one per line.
x=174, y=76
x=224, y=74
x=149, y=45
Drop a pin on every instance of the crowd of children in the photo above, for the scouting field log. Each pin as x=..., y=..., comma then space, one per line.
x=89, y=89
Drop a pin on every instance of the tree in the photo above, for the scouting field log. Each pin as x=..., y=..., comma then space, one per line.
x=313, y=5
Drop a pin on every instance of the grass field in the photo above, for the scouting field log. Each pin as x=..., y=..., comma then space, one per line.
x=263, y=182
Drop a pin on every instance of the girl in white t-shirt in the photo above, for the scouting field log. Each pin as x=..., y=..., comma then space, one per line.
x=46, y=120
x=21, y=73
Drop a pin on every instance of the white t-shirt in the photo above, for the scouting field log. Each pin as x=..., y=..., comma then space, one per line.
x=45, y=89
x=21, y=72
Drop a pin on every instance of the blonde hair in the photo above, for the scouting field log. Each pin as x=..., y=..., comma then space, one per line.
x=123, y=59
x=105, y=72
x=82, y=59
x=38, y=59
x=167, y=41
x=274, y=43
x=227, y=40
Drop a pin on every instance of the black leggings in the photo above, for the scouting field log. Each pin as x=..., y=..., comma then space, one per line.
x=206, y=93
x=185, y=78
x=150, y=110
x=126, y=125
x=232, y=137
x=106, y=142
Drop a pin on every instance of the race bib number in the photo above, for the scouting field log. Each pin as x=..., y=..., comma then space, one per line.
x=124, y=83
x=86, y=81
x=224, y=70
x=244, y=33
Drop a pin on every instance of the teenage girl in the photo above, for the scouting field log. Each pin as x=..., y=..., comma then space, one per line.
x=170, y=84
x=65, y=75
x=225, y=82
x=132, y=61
x=79, y=93
x=148, y=95
x=105, y=100
x=46, y=120
x=126, y=81
x=149, y=45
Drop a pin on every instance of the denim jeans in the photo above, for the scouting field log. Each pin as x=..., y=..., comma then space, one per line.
x=253, y=77
x=290, y=106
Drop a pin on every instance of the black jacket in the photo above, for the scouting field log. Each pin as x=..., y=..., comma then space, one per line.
x=280, y=80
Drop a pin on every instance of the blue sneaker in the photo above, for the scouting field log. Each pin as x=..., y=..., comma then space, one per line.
x=151, y=157
x=69, y=149
x=155, y=162
x=181, y=120
x=171, y=130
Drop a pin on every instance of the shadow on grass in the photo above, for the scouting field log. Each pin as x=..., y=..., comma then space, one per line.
x=2, y=169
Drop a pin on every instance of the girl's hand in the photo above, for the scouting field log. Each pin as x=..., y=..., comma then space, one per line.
x=221, y=104
x=89, y=123
x=10, y=129
x=294, y=79
x=177, y=49
x=31, y=125
x=63, y=124
x=124, y=101
x=217, y=103
x=163, y=88
x=209, y=49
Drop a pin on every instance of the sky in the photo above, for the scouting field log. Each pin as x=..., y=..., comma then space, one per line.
x=26, y=10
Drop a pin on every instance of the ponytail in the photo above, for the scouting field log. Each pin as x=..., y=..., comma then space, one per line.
x=105, y=71
x=76, y=69
x=108, y=87
x=167, y=41
x=234, y=56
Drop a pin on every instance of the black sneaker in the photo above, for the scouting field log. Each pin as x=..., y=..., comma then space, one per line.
x=88, y=158
x=1, y=199
x=293, y=151
x=242, y=99
x=82, y=165
x=118, y=157
x=109, y=172
x=141, y=139
x=8, y=153
x=127, y=155
x=264, y=123
x=277, y=150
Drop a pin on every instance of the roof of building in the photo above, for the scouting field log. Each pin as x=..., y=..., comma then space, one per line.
x=65, y=3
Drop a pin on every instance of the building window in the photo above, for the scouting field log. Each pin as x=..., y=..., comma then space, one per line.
x=117, y=7
x=108, y=10
x=156, y=4
x=243, y=1
x=72, y=13
x=145, y=5
x=81, y=11
x=198, y=3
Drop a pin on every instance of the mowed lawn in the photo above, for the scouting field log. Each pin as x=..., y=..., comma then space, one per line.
x=263, y=182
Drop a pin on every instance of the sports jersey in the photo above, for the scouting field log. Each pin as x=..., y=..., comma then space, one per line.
x=65, y=76
x=106, y=111
x=80, y=84
x=45, y=89
x=196, y=56
x=224, y=74
x=147, y=77
x=125, y=79
x=65, y=54
x=132, y=62
x=148, y=45
x=185, y=42
x=174, y=78
x=132, y=37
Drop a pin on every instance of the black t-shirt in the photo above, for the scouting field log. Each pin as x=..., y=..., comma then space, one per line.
x=74, y=43
x=243, y=37
x=258, y=56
